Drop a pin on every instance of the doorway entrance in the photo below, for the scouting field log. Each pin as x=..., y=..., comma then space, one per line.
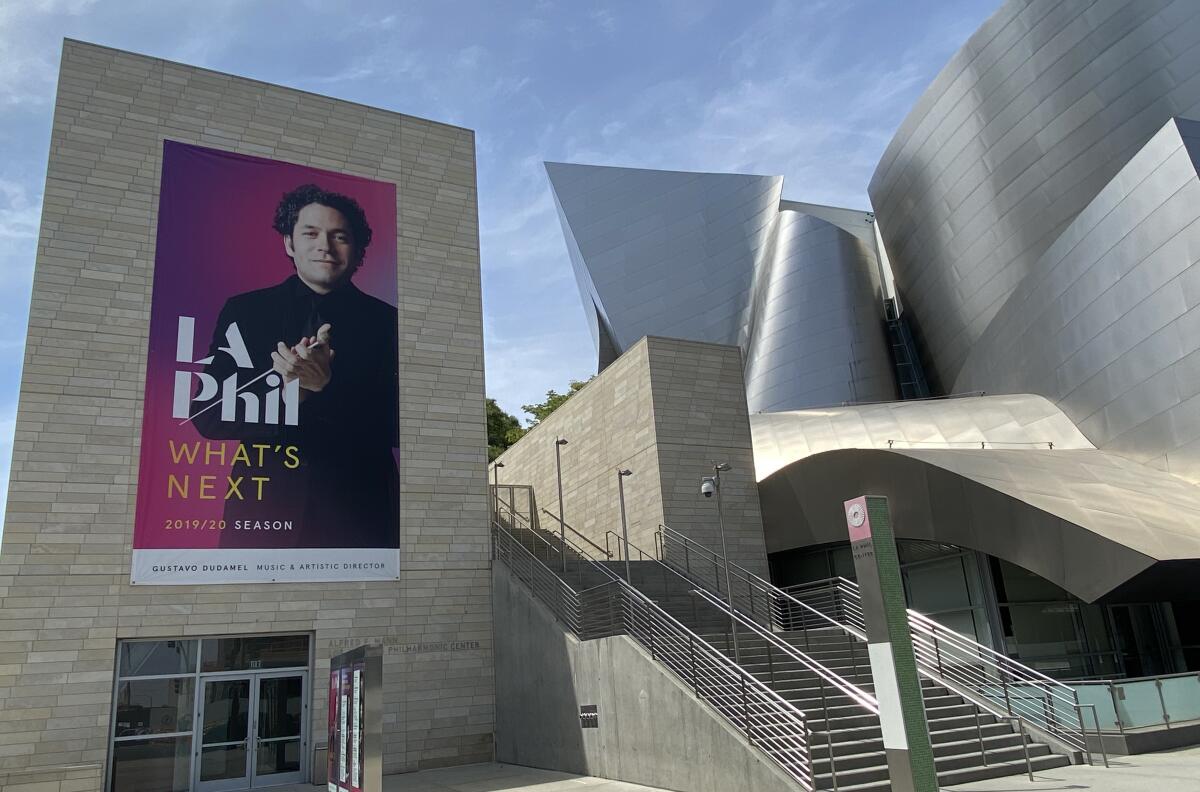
x=251, y=730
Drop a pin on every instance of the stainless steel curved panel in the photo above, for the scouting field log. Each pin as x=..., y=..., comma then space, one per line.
x=1017, y=421
x=1108, y=323
x=711, y=257
x=1023, y=127
x=662, y=252
x=815, y=330
x=1086, y=520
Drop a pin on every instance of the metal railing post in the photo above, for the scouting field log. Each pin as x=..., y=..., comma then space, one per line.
x=746, y=711
x=1099, y=733
x=1025, y=747
x=1004, y=687
x=1112, y=694
x=832, y=763
x=979, y=731
x=1162, y=703
x=692, y=659
x=1086, y=748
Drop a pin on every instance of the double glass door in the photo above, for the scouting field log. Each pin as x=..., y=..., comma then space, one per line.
x=250, y=730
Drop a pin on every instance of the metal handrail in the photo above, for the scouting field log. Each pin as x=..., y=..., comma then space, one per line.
x=533, y=531
x=768, y=721
x=567, y=525
x=1112, y=685
x=774, y=643
x=856, y=694
x=990, y=680
x=987, y=678
x=779, y=607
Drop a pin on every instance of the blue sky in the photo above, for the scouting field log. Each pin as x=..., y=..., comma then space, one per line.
x=809, y=89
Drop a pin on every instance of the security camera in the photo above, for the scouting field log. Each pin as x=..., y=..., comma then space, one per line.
x=707, y=488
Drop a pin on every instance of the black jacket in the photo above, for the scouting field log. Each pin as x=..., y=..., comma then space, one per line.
x=345, y=490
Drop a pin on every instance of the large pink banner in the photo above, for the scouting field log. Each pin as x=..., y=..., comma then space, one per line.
x=271, y=411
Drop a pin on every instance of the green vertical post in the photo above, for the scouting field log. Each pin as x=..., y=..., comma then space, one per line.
x=889, y=645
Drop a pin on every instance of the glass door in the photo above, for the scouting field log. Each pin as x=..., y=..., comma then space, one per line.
x=279, y=739
x=223, y=752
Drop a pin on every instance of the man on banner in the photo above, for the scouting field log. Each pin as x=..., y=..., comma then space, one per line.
x=310, y=388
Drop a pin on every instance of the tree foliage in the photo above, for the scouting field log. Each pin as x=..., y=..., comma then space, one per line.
x=541, y=410
x=502, y=429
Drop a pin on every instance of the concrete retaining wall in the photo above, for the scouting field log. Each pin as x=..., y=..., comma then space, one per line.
x=652, y=730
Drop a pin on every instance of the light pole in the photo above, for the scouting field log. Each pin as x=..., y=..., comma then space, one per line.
x=559, y=442
x=621, y=474
x=708, y=491
x=496, y=489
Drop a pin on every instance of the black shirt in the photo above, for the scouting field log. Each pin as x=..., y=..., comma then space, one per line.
x=333, y=476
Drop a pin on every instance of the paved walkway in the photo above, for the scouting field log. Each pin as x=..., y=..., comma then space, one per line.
x=1168, y=771
x=493, y=777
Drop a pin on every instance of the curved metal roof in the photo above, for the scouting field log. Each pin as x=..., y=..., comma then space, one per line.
x=1088, y=520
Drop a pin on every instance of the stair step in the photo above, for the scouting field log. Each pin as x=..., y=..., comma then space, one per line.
x=1001, y=769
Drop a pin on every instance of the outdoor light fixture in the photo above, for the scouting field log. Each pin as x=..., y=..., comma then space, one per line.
x=710, y=485
x=559, y=442
x=496, y=488
x=621, y=474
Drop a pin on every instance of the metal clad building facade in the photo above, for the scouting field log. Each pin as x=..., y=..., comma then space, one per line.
x=1030, y=119
x=720, y=258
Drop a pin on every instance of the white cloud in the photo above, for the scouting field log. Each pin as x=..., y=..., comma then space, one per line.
x=19, y=215
x=604, y=19
x=612, y=129
x=8, y=428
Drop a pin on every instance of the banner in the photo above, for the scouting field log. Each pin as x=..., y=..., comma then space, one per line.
x=270, y=421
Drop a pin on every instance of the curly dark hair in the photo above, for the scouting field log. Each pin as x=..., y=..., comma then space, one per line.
x=294, y=200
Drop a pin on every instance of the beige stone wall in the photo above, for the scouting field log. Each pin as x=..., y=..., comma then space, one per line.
x=65, y=596
x=665, y=409
x=700, y=417
x=609, y=424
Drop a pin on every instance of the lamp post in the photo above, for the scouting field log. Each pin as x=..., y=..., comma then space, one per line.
x=621, y=474
x=715, y=479
x=496, y=489
x=559, y=442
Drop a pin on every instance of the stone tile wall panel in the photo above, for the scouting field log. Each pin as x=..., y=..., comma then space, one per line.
x=65, y=596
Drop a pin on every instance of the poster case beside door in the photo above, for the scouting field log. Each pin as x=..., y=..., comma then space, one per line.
x=355, y=727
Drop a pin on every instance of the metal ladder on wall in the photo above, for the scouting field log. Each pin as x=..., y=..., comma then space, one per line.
x=953, y=665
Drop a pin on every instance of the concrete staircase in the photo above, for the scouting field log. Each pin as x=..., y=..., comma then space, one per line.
x=853, y=732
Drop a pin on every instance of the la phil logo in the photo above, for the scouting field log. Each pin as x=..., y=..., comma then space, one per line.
x=256, y=407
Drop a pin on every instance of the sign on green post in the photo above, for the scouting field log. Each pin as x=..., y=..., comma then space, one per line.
x=889, y=645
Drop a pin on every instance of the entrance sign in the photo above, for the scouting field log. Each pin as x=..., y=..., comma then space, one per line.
x=271, y=408
x=356, y=721
x=889, y=646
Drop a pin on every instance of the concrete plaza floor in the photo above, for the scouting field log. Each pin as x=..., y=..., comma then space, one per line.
x=1169, y=771
x=492, y=777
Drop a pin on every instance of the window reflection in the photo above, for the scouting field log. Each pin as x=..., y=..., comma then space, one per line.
x=254, y=652
x=156, y=658
x=154, y=706
x=157, y=765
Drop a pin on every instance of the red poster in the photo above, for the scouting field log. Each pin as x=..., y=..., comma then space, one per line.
x=270, y=422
